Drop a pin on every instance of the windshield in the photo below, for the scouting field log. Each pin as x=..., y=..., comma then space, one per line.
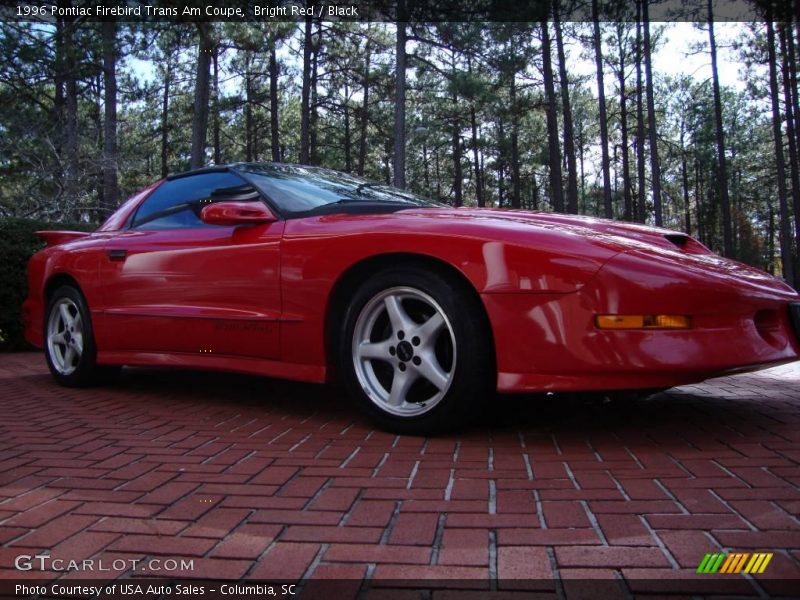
x=301, y=190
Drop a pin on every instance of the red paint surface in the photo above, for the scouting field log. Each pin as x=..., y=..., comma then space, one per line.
x=256, y=298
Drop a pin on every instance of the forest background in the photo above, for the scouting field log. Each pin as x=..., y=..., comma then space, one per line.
x=618, y=116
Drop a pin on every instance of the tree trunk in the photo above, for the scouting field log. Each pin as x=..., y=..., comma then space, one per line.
x=305, y=95
x=458, y=199
x=426, y=167
x=785, y=229
x=698, y=195
x=400, y=101
x=556, y=186
x=58, y=103
x=248, y=107
x=362, y=142
x=110, y=189
x=217, y=146
x=273, y=101
x=475, y=154
x=313, y=118
x=791, y=125
x=795, y=108
x=615, y=178
x=655, y=164
x=201, y=97
x=687, y=215
x=476, y=159
x=348, y=159
x=438, y=173
x=623, y=123
x=722, y=162
x=771, y=242
x=641, y=212
x=793, y=78
x=581, y=161
x=98, y=91
x=458, y=196
x=482, y=168
x=165, y=120
x=501, y=161
x=516, y=197
x=387, y=162
x=569, y=134
x=58, y=76
x=601, y=98
x=71, y=104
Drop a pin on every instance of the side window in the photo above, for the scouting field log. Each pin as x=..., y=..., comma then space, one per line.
x=177, y=204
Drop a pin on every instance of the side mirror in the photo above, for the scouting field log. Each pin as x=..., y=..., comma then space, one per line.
x=237, y=213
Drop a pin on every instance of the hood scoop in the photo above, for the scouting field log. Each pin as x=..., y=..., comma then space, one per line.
x=679, y=239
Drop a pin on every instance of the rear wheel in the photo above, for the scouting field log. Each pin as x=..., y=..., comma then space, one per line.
x=69, y=346
x=415, y=350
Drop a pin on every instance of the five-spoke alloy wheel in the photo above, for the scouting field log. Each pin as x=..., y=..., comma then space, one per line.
x=404, y=351
x=69, y=346
x=65, y=336
x=420, y=358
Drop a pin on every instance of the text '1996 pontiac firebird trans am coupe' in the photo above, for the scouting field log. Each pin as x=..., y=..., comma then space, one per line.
x=422, y=310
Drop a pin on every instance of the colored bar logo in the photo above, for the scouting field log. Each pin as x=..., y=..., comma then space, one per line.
x=737, y=562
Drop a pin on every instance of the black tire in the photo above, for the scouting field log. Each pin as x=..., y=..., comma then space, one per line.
x=451, y=371
x=81, y=369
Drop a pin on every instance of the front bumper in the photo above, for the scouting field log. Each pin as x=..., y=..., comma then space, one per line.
x=549, y=342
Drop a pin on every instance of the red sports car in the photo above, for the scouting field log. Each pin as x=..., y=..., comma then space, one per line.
x=421, y=309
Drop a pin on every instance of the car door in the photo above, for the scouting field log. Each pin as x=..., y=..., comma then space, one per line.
x=174, y=284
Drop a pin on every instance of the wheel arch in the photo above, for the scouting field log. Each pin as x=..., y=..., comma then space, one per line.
x=337, y=299
x=57, y=280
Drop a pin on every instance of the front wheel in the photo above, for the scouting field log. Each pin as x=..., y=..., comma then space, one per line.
x=69, y=346
x=418, y=354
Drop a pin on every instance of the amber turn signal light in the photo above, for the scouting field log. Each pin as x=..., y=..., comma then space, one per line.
x=642, y=322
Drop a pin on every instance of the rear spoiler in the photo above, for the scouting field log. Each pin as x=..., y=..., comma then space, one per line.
x=53, y=238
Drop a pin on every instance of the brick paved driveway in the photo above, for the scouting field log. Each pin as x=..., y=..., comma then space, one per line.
x=268, y=479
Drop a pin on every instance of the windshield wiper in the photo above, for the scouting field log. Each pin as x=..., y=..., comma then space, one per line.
x=330, y=206
x=349, y=201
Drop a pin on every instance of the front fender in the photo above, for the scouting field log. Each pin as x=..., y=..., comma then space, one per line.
x=317, y=252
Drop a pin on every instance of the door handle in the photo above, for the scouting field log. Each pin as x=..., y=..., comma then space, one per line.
x=117, y=254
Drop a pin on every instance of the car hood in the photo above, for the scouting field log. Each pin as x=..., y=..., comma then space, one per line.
x=655, y=245
x=615, y=235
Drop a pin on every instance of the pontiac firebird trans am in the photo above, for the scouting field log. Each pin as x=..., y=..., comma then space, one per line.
x=420, y=309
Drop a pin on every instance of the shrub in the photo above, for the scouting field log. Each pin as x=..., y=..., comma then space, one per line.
x=17, y=244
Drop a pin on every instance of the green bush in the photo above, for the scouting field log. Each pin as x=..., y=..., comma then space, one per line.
x=17, y=244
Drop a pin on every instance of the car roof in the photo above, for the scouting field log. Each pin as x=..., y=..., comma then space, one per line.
x=201, y=170
x=230, y=167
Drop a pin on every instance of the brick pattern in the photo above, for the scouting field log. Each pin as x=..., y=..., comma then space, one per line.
x=260, y=478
